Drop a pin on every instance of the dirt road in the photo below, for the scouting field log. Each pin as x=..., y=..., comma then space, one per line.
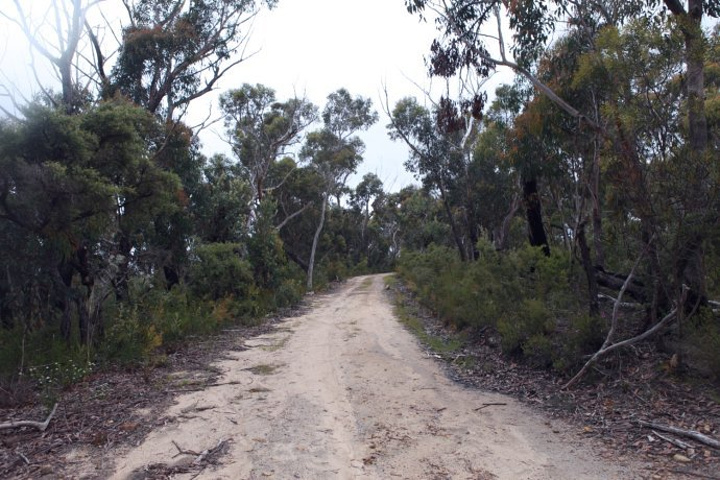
x=344, y=392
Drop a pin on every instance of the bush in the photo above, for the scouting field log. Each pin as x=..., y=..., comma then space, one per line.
x=221, y=290
x=39, y=359
x=218, y=271
x=529, y=298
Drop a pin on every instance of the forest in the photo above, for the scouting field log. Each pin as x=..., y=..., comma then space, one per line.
x=573, y=210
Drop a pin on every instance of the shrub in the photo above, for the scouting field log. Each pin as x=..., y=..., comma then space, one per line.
x=130, y=337
x=219, y=271
x=528, y=297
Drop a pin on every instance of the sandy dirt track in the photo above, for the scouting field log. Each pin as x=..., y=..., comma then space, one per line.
x=344, y=392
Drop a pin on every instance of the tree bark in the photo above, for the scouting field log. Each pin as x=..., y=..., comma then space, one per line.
x=593, y=306
x=316, y=239
x=502, y=233
x=536, y=229
x=295, y=258
x=63, y=282
x=451, y=220
x=689, y=267
x=123, y=273
x=596, y=209
x=635, y=288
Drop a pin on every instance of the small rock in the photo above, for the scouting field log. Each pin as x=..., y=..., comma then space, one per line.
x=681, y=458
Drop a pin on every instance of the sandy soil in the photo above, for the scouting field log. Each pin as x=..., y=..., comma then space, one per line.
x=344, y=392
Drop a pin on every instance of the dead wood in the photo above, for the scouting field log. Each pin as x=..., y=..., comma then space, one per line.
x=610, y=298
x=608, y=345
x=42, y=426
x=674, y=441
x=208, y=454
x=182, y=451
x=613, y=325
x=614, y=281
x=609, y=348
x=697, y=436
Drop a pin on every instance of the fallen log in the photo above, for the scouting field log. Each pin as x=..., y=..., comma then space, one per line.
x=42, y=426
x=697, y=436
x=614, y=281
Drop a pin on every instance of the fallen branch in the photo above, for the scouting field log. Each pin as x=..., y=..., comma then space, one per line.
x=613, y=326
x=697, y=436
x=203, y=386
x=205, y=455
x=608, y=346
x=183, y=452
x=674, y=441
x=42, y=426
x=607, y=349
x=604, y=296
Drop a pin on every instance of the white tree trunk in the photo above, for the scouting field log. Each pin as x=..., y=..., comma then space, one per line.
x=316, y=239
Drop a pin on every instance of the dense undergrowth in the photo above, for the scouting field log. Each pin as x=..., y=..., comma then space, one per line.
x=222, y=290
x=537, y=306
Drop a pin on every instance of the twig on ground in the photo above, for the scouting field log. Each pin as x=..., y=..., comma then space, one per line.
x=207, y=385
x=200, y=457
x=209, y=453
x=183, y=452
x=674, y=441
x=485, y=405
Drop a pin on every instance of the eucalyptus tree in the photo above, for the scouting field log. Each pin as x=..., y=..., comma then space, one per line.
x=67, y=184
x=261, y=129
x=335, y=151
x=369, y=188
x=463, y=46
x=175, y=51
x=66, y=31
x=439, y=157
x=221, y=205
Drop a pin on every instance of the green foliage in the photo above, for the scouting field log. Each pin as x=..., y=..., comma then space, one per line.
x=409, y=316
x=130, y=338
x=42, y=359
x=525, y=326
x=219, y=271
x=53, y=377
x=178, y=53
x=528, y=297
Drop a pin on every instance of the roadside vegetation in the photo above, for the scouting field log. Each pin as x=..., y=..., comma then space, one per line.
x=573, y=213
x=123, y=241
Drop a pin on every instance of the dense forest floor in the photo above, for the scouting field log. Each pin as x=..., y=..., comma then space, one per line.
x=606, y=406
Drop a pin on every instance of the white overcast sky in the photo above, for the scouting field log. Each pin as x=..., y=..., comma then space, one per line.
x=314, y=47
x=307, y=48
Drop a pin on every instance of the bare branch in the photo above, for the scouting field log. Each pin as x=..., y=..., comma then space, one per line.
x=293, y=215
x=697, y=436
x=42, y=426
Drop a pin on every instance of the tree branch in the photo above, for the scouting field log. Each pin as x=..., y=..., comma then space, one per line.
x=42, y=426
